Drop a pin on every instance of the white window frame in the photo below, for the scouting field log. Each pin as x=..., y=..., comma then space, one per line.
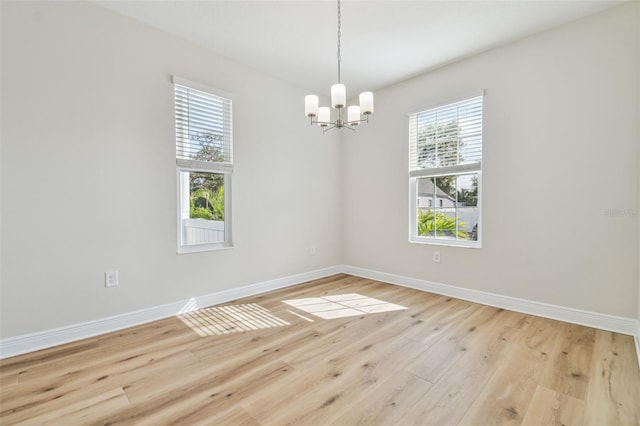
x=463, y=169
x=223, y=168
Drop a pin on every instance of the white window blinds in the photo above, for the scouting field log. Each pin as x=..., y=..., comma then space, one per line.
x=446, y=139
x=203, y=128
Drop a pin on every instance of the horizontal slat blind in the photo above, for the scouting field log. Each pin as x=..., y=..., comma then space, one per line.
x=203, y=129
x=447, y=138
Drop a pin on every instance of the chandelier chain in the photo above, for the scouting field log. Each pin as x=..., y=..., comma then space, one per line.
x=339, y=35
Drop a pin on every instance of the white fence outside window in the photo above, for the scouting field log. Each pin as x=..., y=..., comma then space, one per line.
x=202, y=231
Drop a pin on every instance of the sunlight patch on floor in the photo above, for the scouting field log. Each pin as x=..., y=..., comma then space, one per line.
x=219, y=320
x=342, y=305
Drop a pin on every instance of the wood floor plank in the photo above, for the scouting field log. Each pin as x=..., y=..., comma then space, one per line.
x=46, y=356
x=80, y=412
x=143, y=351
x=237, y=416
x=385, y=404
x=338, y=333
x=449, y=398
x=336, y=376
x=215, y=370
x=438, y=322
x=613, y=394
x=276, y=342
x=348, y=389
x=568, y=372
x=346, y=334
x=8, y=380
x=29, y=401
x=552, y=408
x=506, y=397
x=436, y=360
x=441, y=361
x=136, y=352
x=195, y=401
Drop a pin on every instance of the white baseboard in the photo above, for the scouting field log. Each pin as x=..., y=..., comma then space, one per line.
x=621, y=325
x=616, y=324
x=45, y=339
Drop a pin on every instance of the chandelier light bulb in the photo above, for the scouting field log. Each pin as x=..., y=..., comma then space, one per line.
x=324, y=116
x=366, y=103
x=338, y=95
x=311, y=105
x=353, y=115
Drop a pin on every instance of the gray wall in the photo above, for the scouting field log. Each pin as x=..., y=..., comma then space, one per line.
x=561, y=145
x=89, y=178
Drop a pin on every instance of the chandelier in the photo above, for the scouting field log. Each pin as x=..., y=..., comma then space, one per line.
x=355, y=113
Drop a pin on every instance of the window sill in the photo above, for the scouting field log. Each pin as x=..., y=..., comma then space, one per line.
x=203, y=247
x=452, y=243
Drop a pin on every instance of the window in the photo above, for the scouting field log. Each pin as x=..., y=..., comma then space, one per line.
x=445, y=173
x=204, y=161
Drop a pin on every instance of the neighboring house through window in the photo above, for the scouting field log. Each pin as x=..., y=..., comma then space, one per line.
x=445, y=173
x=204, y=161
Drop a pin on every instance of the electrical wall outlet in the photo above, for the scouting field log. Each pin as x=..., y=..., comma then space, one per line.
x=436, y=256
x=111, y=279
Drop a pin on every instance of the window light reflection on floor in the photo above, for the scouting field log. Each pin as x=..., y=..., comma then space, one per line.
x=221, y=320
x=342, y=305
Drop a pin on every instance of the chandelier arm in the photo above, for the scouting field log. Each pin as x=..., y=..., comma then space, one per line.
x=321, y=122
x=326, y=129
x=364, y=120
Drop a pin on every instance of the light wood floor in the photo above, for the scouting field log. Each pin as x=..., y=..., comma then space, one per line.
x=442, y=361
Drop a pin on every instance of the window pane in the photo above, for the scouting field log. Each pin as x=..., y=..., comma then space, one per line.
x=426, y=192
x=447, y=207
x=202, y=208
x=445, y=223
x=446, y=191
x=446, y=136
x=467, y=202
x=203, y=126
x=425, y=223
x=438, y=145
x=468, y=223
x=445, y=212
x=425, y=202
x=467, y=190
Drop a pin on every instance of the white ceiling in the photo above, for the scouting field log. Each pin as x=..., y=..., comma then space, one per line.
x=383, y=42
